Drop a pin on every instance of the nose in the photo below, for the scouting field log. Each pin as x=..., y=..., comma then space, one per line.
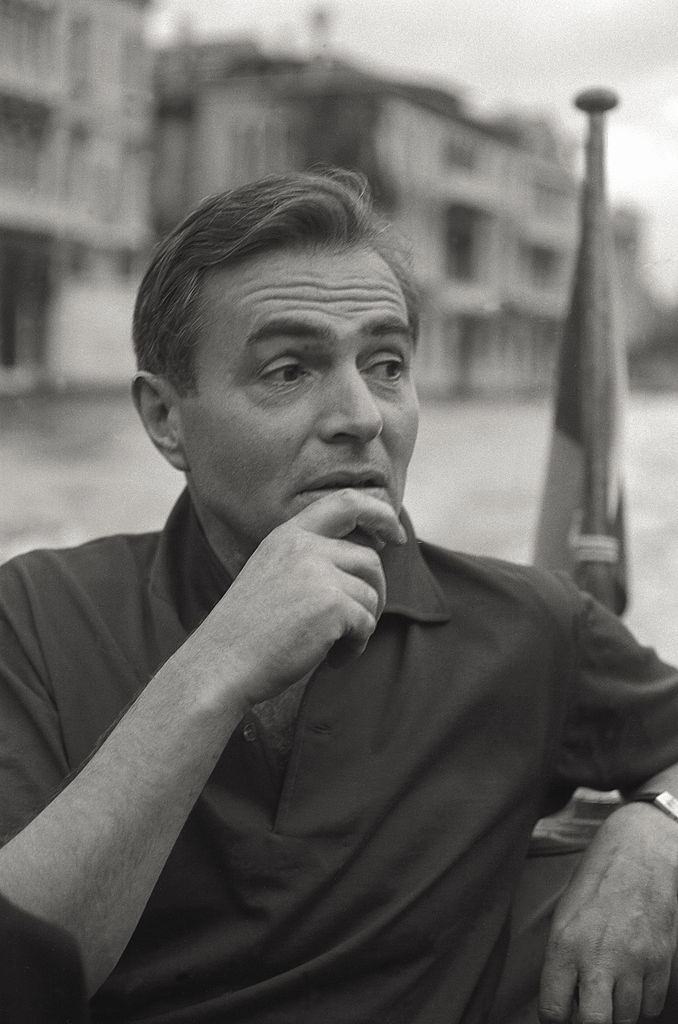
x=350, y=409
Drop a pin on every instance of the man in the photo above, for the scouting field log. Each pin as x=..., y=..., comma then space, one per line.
x=298, y=756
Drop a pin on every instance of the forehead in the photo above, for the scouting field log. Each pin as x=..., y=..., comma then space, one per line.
x=342, y=289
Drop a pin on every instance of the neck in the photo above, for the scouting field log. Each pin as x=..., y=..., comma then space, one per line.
x=231, y=550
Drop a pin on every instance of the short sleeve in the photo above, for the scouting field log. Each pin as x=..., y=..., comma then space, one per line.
x=33, y=763
x=622, y=722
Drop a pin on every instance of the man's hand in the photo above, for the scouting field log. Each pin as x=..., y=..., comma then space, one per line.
x=614, y=932
x=311, y=589
x=90, y=859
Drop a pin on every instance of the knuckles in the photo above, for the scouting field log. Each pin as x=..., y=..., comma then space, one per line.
x=553, y=1015
x=649, y=949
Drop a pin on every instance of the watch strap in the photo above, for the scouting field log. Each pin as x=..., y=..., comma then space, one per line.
x=664, y=801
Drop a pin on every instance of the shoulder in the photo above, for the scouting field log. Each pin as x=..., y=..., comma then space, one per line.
x=103, y=569
x=492, y=582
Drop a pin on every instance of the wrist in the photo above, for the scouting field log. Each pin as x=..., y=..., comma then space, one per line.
x=661, y=799
x=212, y=684
x=643, y=828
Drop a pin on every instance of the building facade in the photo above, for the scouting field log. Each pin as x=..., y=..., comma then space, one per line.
x=492, y=216
x=75, y=109
x=489, y=210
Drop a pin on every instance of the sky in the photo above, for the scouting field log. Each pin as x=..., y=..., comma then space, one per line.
x=530, y=55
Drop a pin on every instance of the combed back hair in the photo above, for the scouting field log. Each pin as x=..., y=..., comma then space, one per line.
x=330, y=209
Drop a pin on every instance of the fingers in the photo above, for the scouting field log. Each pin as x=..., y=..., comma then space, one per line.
x=557, y=992
x=311, y=591
x=654, y=991
x=363, y=564
x=592, y=1000
x=359, y=626
x=595, y=1001
x=364, y=604
x=341, y=512
x=627, y=999
x=363, y=592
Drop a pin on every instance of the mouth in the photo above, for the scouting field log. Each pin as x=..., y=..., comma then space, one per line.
x=375, y=482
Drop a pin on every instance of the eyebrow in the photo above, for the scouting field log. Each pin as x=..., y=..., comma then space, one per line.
x=292, y=327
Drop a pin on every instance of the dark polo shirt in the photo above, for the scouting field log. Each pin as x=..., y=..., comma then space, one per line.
x=373, y=886
x=41, y=978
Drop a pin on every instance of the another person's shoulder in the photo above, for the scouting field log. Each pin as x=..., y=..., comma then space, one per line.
x=489, y=581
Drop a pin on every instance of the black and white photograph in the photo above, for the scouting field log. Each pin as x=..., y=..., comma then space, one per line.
x=339, y=519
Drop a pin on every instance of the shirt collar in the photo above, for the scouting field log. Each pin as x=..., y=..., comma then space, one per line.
x=187, y=574
x=411, y=588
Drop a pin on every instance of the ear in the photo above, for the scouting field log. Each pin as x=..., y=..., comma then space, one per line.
x=159, y=407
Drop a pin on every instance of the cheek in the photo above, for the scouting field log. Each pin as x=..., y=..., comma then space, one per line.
x=248, y=450
x=408, y=427
x=217, y=449
x=251, y=460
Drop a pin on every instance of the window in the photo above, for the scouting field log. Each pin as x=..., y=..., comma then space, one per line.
x=541, y=265
x=79, y=64
x=77, y=165
x=26, y=38
x=126, y=262
x=461, y=229
x=471, y=352
x=460, y=153
x=24, y=292
x=22, y=142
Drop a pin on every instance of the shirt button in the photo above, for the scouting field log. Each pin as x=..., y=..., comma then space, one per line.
x=250, y=733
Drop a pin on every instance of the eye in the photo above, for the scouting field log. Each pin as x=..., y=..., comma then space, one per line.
x=284, y=373
x=388, y=368
x=393, y=368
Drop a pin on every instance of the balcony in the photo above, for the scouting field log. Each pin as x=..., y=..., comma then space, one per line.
x=28, y=210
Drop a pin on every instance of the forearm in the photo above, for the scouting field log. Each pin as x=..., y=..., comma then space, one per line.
x=90, y=860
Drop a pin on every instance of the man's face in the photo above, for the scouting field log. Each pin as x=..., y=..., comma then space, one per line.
x=304, y=385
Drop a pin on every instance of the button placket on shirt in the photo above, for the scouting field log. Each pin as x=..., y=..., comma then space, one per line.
x=249, y=732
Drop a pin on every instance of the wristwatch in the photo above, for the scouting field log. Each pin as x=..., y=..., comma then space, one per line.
x=665, y=802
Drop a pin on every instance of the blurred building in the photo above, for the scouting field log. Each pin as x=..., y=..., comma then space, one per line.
x=640, y=308
x=489, y=208
x=75, y=109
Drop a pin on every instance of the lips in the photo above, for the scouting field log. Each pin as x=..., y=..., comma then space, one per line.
x=367, y=479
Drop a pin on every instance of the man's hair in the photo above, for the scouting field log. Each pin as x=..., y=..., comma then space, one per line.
x=331, y=210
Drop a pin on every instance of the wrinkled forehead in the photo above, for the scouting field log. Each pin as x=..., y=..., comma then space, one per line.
x=346, y=284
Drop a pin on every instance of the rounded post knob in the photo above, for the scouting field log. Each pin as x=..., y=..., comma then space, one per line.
x=596, y=101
